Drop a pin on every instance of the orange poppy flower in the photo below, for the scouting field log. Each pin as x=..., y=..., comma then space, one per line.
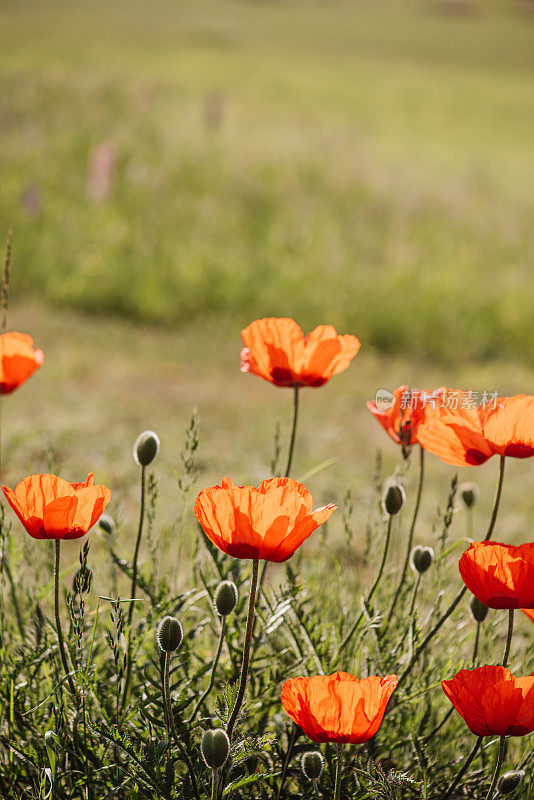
x=500, y=575
x=277, y=350
x=469, y=436
x=492, y=702
x=529, y=612
x=18, y=360
x=269, y=522
x=401, y=420
x=51, y=508
x=339, y=707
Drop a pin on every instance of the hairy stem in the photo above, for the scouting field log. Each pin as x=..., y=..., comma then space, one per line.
x=339, y=767
x=246, y=650
x=133, y=590
x=170, y=721
x=293, y=429
x=508, y=637
x=410, y=536
x=204, y=696
x=498, y=765
x=61, y=642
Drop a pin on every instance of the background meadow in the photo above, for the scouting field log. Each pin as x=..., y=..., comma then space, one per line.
x=172, y=173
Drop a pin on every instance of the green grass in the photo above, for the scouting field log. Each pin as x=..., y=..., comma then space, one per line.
x=373, y=166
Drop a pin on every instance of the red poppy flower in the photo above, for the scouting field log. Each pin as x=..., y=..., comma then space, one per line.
x=269, y=522
x=500, y=575
x=339, y=707
x=277, y=350
x=51, y=508
x=18, y=360
x=529, y=612
x=469, y=436
x=402, y=418
x=492, y=702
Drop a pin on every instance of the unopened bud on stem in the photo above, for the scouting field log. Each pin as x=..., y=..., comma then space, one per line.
x=478, y=610
x=215, y=747
x=393, y=499
x=312, y=765
x=469, y=493
x=146, y=448
x=225, y=599
x=421, y=558
x=509, y=782
x=169, y=634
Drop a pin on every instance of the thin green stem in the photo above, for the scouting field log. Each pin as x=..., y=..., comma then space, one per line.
x=498, y=765
x=60, y=639
x=374, y=587
x=287, y=759
x=133, y=590
x=415, y=591
x=169, y=718
x=410, y=536
x=339, y=767
x=293, y=429
x=246, y=650
x=475, y=648
x=463, y=770
x=204, y=697
x=445, y=616
x=508, y=637
x=214, y=779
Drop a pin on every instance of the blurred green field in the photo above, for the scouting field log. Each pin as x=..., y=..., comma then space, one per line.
x=364, y=163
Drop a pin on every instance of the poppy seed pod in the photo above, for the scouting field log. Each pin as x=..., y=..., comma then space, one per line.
x=312, y=765
x=510, y=781
x=478, y=610
x=225, y=599
x=393, y=499
x=421, y=558
x=146, y=448
x=469, y=493
x=215, y=747
x=169, y=634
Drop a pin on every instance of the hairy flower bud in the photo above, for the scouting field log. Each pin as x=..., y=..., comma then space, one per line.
x=107, y=525
x=469, y=493
x=393, y=499
x=478, y=610
x=215, y=747
x=421, y=558
x=509, y=781
x=312, y=764
x=169, y=634
x=225, y=599
x=146, y=448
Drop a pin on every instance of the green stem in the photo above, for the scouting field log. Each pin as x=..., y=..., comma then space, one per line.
x=498, y=765
x=246, y=650
x=204, y=697
x=290, y=746
x=465, y=767
x=414, y=597
x=214, y=784
x=293, y=429
x=60, y=639
x=475, y=648
x=410, y=536
x=170, y=721
x=374, y=587
x=133, y=589
x=339, y=767
x=508, y=637
x=445, y=616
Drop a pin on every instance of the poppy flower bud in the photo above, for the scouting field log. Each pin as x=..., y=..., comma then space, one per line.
x=478, y=610
x=469, y=493
x=312, y=765
x=146, y=448
x=421, y=558
x=225, y=599
x=107, y=525
x=393, y=499
x=169, y=634
x=509, y=782
x=215, y=747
